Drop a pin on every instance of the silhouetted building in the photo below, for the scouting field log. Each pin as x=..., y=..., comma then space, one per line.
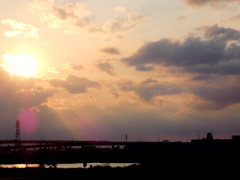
x=209, y=136
x=236, y=137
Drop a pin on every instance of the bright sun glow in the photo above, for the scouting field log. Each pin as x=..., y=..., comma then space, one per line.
x=21, y=65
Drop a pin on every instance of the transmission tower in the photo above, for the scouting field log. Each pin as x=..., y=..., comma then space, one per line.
x=17, y=135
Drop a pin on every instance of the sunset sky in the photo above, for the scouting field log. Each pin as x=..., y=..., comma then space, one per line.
x=101, y=69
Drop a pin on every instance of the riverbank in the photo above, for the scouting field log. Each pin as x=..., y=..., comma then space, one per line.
x=96, y=172
x=173, y=171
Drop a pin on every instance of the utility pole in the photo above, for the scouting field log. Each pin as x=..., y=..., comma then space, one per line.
x=17, y=134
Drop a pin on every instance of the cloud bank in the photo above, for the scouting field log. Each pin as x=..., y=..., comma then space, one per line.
x=111, y=51
x=19, y=28
x=200, y=3
x=74, y=16
x=218, y=52
x=149, y=88
x=74, y=84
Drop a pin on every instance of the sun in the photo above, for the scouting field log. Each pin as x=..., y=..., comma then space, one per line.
x=21, y=65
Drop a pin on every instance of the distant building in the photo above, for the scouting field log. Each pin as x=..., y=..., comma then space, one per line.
x=236, y=137
x=165, y=141
x=209, y=136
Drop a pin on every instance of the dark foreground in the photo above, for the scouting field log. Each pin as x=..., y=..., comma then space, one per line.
x=200, y=159
x=179, y=170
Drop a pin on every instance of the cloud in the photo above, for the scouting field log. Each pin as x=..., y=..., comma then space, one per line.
x=147, y=93
x=18, y=93
x=74, y=84
x=72, y=66
x=42, y=5
x=74, y=17
x=50, y=11
x=234, y=18
x=149, y=89
x=220, y=34
x=120, y=9
x=18, y=28
x=110, y=50
x=70, y=11
x=180, y=18
x=85, y=23
x=231, y=21
x=201, y=77
x=106, y=67
x=144, y=68
x=200, y=3
x=59, y=15
x=126, y=84
x=218, y=97
x=217, y=52
x=149, y=81
x=121, y=23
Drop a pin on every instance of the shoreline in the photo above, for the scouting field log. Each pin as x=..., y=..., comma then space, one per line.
x=170, y=171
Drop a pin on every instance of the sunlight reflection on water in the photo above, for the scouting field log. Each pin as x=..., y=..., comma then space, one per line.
x=73, y=165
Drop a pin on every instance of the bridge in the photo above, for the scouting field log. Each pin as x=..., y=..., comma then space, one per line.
x=41, y=144
x=74, y=151
x=66, y=151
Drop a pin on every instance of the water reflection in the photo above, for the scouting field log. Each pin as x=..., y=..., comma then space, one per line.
x=18, y=165
x=73, y=165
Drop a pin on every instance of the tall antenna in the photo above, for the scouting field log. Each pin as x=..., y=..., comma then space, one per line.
x=17, y=135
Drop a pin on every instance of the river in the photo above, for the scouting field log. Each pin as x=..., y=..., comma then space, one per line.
x=72, y=165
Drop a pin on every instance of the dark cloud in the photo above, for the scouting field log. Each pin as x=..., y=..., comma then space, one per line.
x=148, y=91
x=62, y=13
x=214, y=97
x=126, y=84
x=16, y=92
x=106, y=67
x=201, y=77
x=111, y=50
x=218, y=97
x=16, y=95
x=144, y=68
x=220, y=34
x=76, y=66
x=231, y=67
x=217, y=52
x=199, y=3
x=149, y=81
x=74, y=84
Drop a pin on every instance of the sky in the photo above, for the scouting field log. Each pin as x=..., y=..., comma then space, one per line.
x=100, y=69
